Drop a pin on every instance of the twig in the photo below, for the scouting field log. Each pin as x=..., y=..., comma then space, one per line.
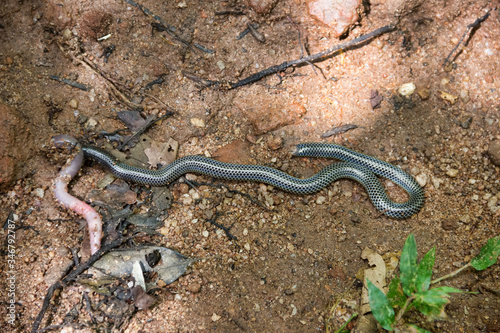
x=338, y=130
x=452, y=274
x=109, y=83
x=72, y=276
x=354, y=315
x=69, y=82
x=403, y=309
x=468, y=32
x=149, y=122
x=223, y=228
x=161, y=25
x=311, y=58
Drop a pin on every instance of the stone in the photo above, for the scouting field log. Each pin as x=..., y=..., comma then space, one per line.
x=236, y=152
x=407, y=89
x=340, y=15
x=262, y=6
x=452, y=173
x=16, y=146
x=275, y=143
x=494, y=152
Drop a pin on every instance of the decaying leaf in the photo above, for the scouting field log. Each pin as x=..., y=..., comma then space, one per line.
x=121, y=262
x=376, y=275
x=162, y=153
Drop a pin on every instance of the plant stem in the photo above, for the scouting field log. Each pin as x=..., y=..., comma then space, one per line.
x=354, y=315
x=452, y=274
x=403, y=309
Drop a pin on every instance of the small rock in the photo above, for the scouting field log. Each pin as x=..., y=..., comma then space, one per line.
x=73, y=103
x=275, y=143
x=466, y=123
x=464, y=218
x=197, y=122
x=422, y=179
x=464, y=95
x=183, y=188
x=221, y=65
x=494, y=152
x=194, y=287
x=340, y=15
x=407, y=89
x=448, y=97
x=235, y=152
x=320, y=200
x=91, y=124
x=262, y=6
x=205, y=233
x=452, y=173
x=424, y=93
x=39, y=192
x=449, y=225
x=215, y=317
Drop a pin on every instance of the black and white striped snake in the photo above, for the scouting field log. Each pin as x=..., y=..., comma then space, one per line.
x=356, y=166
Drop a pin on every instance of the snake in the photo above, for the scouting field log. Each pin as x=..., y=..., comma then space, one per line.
x=356, y=166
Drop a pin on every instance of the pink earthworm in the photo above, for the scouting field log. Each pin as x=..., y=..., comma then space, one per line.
x=60, y=190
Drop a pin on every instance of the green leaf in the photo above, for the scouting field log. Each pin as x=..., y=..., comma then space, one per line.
x=432, y=302
x=381, y=309
x=415, y=328
x=424, y=270
x=488, y=254
x=395, y=294
x=408, y=265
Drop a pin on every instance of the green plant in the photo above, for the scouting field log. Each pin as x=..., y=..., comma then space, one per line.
x=411, y=288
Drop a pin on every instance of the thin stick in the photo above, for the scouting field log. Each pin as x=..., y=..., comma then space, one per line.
x=469, y=29
x=452, y=274
x=314, y=57
x=72, y=276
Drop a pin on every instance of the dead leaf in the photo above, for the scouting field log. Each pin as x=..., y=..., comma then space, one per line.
x=162, y=153
x=121, y=262
x=376, y=275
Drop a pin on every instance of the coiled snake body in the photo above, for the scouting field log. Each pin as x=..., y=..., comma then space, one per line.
x=356, y=166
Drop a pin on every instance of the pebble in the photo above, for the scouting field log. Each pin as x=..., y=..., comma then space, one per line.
x=73, y=103
x=448, y=97
x=422, y=179
x=91, y=124
x=221, y=65
x=205, y=233
x=39, y=192
x=464, y=95
x=407, y=89
x=275, y=143
x=321, y=200
x=449, y=225
x=215, y=317
x=424, y=93
x=452, y=173
x=494, y=152
x=464, y=218
x=194, y=287
x=197, y=122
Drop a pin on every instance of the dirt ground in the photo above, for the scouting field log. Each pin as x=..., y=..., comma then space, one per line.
x=294, y=257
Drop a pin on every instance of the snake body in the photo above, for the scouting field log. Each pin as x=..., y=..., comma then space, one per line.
x=356, y=166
